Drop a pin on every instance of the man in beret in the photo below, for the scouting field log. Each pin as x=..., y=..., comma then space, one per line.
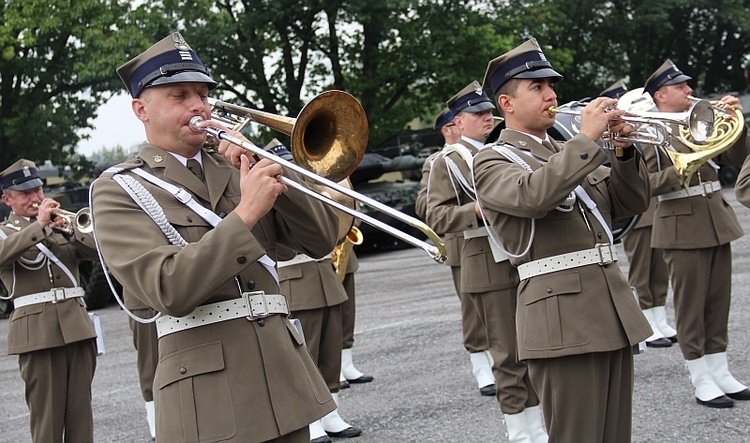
x=49, y=329
x=700, y=266
x=647, y=271
x=551, y=209
x=194, y=237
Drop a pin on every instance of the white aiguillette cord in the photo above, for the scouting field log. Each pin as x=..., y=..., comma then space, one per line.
x=206, y=214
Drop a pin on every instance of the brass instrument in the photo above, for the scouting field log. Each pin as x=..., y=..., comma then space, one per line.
x=329, y=137
x=342, y=251
x=81, y=220
x=651, y=127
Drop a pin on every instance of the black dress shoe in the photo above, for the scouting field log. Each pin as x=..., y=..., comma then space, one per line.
x=742, y=395
x=659, y=343
x=344, y=384
x=351, y=431
x=361, y=379
x=488, y=391
x=322, y=439
x=673, y=339
x=718, y=402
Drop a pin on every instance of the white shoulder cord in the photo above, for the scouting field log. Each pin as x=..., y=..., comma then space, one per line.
x=50, y=256
x=455, y=172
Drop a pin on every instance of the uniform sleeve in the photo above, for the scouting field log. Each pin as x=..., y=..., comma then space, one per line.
x=444, y=213
x=742, y=186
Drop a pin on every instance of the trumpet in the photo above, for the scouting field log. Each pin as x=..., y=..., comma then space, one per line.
x=652, y=127
x=81, y=220
x=329, y=138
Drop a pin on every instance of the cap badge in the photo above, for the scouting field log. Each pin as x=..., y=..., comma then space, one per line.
x=541, y=56
x=26, y=171
x=179, y=42
x=477, y=88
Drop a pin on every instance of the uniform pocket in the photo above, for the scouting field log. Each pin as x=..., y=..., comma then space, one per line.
x=191, y=384
x=25, y=326
x=555, y=312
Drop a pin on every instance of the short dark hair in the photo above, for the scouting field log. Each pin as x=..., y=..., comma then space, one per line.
x=509, y=88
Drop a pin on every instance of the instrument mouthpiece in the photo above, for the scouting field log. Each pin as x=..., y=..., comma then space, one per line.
x=195, y=123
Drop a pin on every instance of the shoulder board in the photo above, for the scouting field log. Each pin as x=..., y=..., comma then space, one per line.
x=125, y=166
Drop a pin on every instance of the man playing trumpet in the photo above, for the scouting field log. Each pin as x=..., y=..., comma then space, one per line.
x=49, y=328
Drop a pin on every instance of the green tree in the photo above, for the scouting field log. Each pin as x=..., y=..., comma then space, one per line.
x=57, y=65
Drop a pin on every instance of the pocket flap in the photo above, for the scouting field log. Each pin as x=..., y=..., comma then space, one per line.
x=190, y=362
x=290, y=273
x=552, y=285
x=680, y=206
x=25, y=311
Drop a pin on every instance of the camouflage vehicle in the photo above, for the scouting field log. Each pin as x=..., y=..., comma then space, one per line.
x=390, y=173
x=72, y=197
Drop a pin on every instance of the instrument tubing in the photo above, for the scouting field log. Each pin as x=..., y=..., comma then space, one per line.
x=603, y=254
x=54, y=295
x=701, y=189
x=252, y=306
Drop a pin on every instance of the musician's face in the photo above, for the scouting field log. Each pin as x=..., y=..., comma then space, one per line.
x=166, y=111
x=475, y=125
x=527, y=109
x=673, y=98
x=23, y=202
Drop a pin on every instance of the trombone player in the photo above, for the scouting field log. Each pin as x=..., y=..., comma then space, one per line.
x=694, y=225
x=232, y=367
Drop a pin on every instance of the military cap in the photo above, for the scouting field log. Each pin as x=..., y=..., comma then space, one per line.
x=616, y=90
x=169, y=61
x=445, y=117
x=470, y=99
x=525, y=61
x=20, y=176
x=667, y=74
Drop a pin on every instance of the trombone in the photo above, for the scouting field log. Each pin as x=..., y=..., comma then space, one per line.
x=329, y=137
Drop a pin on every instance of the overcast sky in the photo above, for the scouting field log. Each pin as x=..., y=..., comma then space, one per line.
x=115, y=125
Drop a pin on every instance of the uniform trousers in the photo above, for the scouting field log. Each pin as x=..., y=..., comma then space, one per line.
x=146, y=345
x=475, y=335
x=514, y=390
x=58, y=392
x=702, y=282
x=348, y=312
x=322, y=329
x=586, y=397
x=647, y=269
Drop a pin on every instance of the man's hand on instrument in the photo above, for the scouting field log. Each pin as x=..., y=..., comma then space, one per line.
x=260, y=186
x=596, y=115
x=733, y=102
x=47, y=214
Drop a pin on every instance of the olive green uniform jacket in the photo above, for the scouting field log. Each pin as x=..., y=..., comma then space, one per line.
x=573, y=311
x=237, y=380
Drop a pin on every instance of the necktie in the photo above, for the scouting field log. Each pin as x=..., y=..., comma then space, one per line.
x=195, y=168
x=548, y=145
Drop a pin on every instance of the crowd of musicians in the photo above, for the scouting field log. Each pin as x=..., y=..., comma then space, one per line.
x=244, y=328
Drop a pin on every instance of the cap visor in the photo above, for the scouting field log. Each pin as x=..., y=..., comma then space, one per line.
x=679, y=79
x=185, y=77
x=541, y=73
x=29, y=184
x=479, y=107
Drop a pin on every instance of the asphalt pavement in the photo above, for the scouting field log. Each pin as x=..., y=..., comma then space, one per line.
x=408, y=336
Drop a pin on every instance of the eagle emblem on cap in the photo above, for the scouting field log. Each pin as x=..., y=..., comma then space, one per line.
x=477, y=88
x=26, y=171
x=179, y=42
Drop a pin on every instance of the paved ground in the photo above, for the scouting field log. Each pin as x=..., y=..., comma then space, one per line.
x=408, y=336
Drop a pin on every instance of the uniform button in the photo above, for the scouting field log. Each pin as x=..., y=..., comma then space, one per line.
x=190, y=219
x=470, y=224
x=599, y=234
x=33, y=238
x=251, y=284
x=549, y=290
x=584, y=155
x=57, y=277
x=261, y=322
x=183, y=370
x=222, y=214
x=242, y=259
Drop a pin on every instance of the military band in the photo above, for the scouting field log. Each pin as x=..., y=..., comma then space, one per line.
x=255, y=328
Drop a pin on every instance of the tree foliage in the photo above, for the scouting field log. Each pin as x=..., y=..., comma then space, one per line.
x=401, y=58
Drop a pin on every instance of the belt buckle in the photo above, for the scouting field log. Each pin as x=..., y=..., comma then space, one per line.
x=58, y=294
x=263, y=308
x=606, y=255
x=708, y=188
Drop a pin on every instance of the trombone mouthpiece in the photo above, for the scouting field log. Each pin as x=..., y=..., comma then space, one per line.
x=552, y=110
x=195, y=122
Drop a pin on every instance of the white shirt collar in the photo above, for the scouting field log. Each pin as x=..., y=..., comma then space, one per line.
x=184, y=159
